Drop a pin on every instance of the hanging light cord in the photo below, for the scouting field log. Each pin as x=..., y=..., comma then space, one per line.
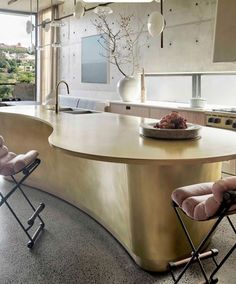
x=162, y=35
x=31, y=19
x=72, y=14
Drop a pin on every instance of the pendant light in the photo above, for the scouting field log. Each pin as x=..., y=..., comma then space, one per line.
x=156, y=23
x=29, y=25
x=29, y=30
x=103, y=10
x=79, y=10
x=46, y=25
x=57, y=23
x=54, y=22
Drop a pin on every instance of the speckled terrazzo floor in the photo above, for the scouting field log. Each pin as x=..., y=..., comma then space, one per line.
x=76, y=249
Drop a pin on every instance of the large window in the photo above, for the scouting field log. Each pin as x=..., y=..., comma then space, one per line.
x=17, y=56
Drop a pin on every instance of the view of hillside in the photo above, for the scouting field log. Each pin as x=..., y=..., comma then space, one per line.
x=17, y=65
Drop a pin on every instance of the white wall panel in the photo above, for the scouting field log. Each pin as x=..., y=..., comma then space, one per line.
x=188, y=44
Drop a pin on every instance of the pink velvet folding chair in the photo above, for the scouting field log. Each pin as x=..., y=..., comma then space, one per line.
x=202, y=202
x=23, y=164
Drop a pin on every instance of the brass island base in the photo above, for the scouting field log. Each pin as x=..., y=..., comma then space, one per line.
x=156, y=237
x=132, y=201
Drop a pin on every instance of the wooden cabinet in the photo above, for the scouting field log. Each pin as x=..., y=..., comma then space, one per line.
x=129, y=109
x=156, y=112
x=229, y=167
x=196, y=117
x=225, y=29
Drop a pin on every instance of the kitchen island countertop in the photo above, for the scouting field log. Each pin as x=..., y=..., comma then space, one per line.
x=100, y=163
x=115, y=138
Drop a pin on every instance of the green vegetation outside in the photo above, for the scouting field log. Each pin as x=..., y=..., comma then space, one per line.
x=16, y=66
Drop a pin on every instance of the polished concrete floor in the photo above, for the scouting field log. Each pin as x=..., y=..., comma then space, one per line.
x=75, y=249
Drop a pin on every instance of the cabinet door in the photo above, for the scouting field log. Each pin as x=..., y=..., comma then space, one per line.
x=225, y=28
x=129, y=109
x=194, y=117
x=158, y=113
x=191, y=116
x=229, y=167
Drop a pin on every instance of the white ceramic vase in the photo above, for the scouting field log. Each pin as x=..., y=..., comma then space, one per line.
x=128, y=89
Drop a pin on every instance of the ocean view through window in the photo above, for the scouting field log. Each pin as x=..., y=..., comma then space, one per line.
x=17, y=57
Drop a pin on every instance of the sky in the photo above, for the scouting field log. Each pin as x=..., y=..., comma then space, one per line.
x=13, y=29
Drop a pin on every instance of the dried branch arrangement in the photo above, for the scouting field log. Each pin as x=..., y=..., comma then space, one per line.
x=120, y=42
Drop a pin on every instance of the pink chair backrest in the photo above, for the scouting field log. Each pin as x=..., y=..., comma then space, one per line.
x=201, y=201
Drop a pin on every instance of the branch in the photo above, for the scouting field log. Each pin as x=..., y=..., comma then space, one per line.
x=120, y=44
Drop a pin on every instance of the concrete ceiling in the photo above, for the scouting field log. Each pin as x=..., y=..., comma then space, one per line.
x=24, y=5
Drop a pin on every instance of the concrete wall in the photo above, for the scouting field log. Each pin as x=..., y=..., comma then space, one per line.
x=24, y=91
x=188, y=47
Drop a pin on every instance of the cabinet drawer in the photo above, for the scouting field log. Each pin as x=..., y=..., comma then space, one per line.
x=159, y=112
x=194, y=117
x=229, y=167
x=191, y=116
x=129, y=110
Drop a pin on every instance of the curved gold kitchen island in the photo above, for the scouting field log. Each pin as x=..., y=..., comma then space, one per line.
x=99, y=163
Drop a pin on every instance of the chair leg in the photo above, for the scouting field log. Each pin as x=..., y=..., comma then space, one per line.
x=26, y=172
x=17, y=219
x=218, y=266
x=36, y=211
x=231, y=224
x=196, y=256
x=27, y=199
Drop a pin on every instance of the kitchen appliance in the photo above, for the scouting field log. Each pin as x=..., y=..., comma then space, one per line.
x=224, y=118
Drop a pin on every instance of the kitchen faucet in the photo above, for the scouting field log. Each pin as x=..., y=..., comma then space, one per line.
x=57, y=94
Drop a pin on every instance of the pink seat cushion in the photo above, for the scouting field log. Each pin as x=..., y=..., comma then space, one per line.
x=180, y=194
x=200, y=207
x=10, y=163
x=5, y=159
x=1, y=141
x=201, y=201
x=220, y=186
x=18, y=163
x=3, y=151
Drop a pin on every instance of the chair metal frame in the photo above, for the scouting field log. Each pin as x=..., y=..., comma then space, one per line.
x=229, y=199
x=4, y=200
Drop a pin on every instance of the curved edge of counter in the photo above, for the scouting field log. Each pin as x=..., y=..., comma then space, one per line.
x=131, y=200
x=116, y=138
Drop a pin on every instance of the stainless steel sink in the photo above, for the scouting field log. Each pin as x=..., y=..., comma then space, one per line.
x=79, y=111
x=62, y=109
x=73, y=110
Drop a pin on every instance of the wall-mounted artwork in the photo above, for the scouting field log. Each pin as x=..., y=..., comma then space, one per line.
x=94, y=67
